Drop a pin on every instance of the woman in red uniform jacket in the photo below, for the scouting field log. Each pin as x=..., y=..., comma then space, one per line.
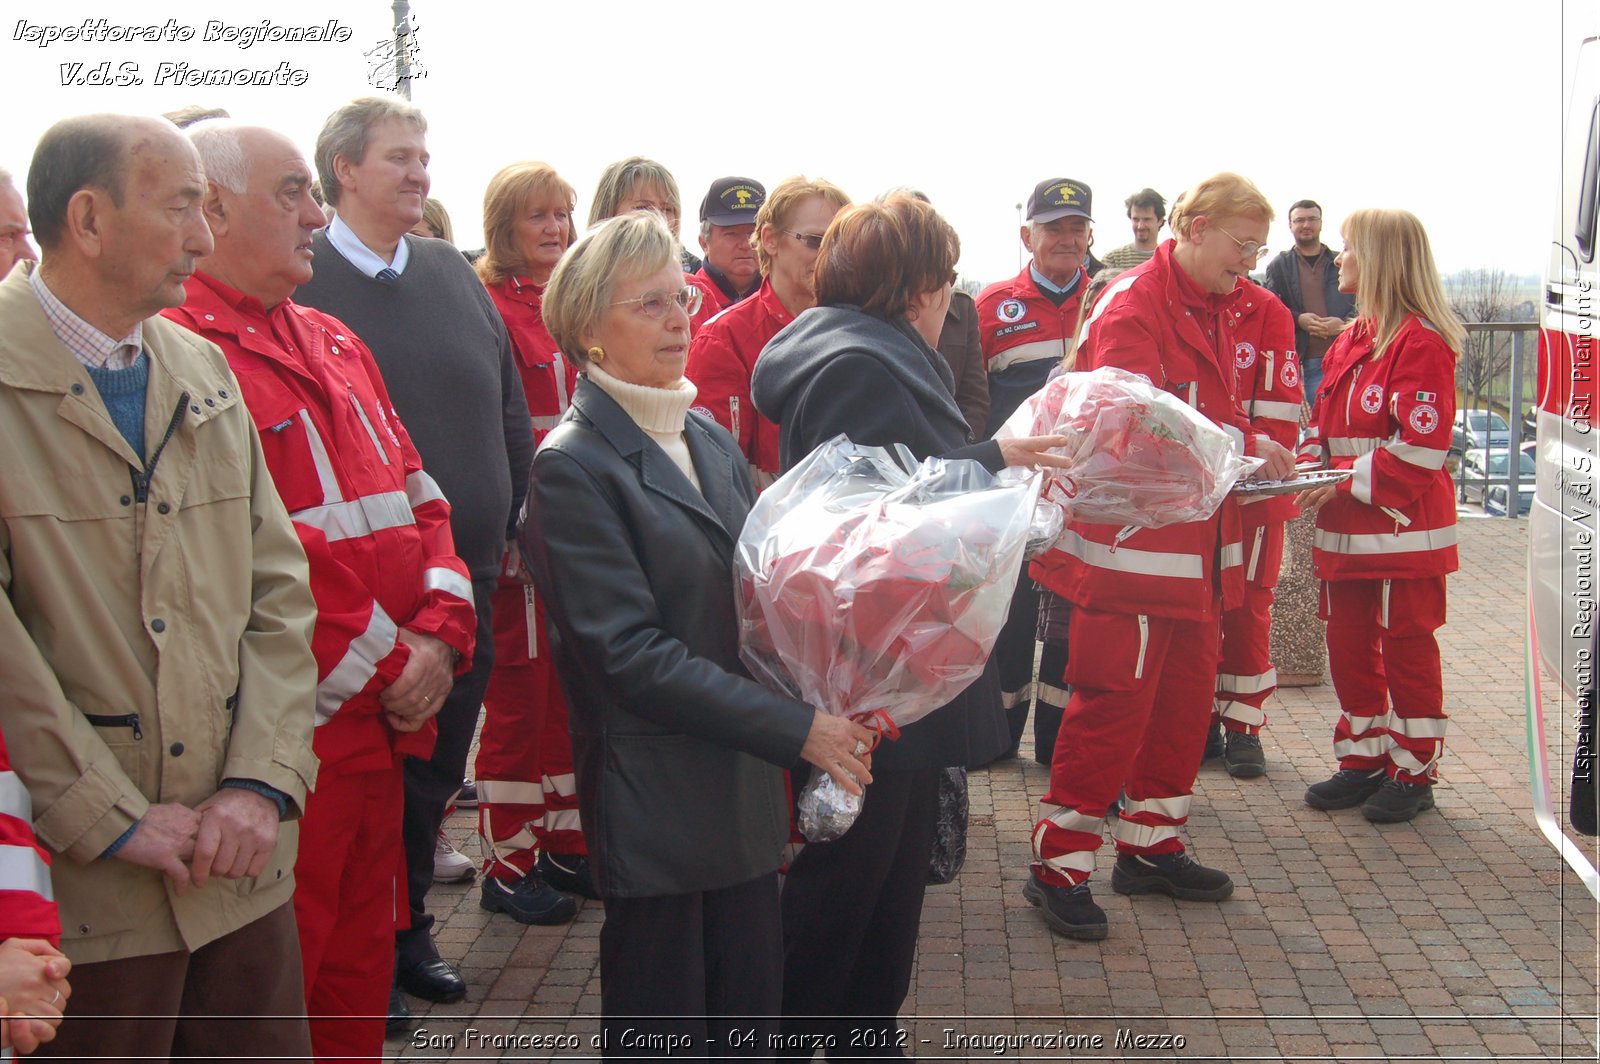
x=1387, y=536
x=534, y=854
x=1143, y=635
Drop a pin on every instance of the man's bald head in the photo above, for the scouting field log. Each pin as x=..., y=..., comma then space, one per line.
x=87, y=151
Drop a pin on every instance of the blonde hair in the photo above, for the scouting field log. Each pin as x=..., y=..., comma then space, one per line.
x=1219, y=197
x=617, y=182
x=1395, y=276
x=511, y=192
x=435, y=217
x=623, y=248
x=778, y=210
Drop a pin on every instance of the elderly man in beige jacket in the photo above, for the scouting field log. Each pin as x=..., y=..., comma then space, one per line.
x=156, y=681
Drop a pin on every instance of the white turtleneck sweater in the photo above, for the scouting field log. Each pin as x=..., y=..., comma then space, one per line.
x=660, y=412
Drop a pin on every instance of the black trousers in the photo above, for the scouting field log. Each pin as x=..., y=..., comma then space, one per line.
x=1013, y=655
x=692, y=974
x=851, y=912
x=431, y=783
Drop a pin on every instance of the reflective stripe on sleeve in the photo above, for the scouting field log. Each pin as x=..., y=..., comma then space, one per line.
x=1352, y=446
x=359, y=664
x=438, y=578
x=1421, y=457
x=1361, y=481
x=21, y=868
x=1267, y=408
x=421, y=488
x=14, y=798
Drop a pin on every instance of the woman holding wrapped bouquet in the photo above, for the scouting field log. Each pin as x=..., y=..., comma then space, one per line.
x=1387, y=536
x=1143, y=635
x=863, y=362
x=634, y=504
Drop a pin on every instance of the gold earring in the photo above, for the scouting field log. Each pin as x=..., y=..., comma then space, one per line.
x=597, y=354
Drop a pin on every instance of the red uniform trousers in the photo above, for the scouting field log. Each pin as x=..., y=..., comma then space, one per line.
x=1384, y=659
x=349, y=897
x=1136, y=721
x=527, y=796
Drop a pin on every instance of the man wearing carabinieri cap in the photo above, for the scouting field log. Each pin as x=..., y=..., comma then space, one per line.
x=727, y=225
x=1027, y=324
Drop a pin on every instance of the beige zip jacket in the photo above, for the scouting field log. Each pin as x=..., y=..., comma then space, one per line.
x=155, y=628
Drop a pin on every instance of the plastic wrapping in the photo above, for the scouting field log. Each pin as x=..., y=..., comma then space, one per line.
x=1140, y=455
x=867, y=590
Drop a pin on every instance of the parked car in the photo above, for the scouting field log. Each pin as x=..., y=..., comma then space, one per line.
x=1484, y=480
x=1479, y=428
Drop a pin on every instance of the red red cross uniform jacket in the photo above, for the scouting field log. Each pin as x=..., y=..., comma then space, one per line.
x=27, y=906
x=374, y=525
x=1385, y=542
x=376, y=532
x=722, y=356
x=1271, y=393
x=1143, y=638
x=713, y=300
x=1025, y=336
x=527, y=797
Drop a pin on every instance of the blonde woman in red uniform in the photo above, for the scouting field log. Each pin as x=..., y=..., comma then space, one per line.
x=534, y=855
x=1143, y=635
x=1387, y=536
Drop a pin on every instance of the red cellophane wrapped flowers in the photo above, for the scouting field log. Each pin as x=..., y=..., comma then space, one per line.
x=868, y=591
x=1140, y=455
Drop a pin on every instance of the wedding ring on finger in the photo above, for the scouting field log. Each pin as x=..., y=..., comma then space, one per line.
x=56, y=998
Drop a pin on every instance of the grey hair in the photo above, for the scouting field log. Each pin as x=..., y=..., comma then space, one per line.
x=221, y=154
x=346, y=133
x=618, y=179
x=623, y=248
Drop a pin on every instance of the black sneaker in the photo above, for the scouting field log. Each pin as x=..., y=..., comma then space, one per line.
x=1345, y=789
x=1214, y=744
x=1243, y=757
x=1395, y=801
x=1069, y=911
x=528, y=901
x=1176, y=874
x=569, y=873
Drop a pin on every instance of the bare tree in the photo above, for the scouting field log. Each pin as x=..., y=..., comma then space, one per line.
x=1483, y=294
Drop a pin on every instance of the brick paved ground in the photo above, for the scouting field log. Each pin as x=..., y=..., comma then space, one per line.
x=1460, y=936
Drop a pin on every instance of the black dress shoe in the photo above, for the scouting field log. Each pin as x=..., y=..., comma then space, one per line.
x=433, y=979
x=399, y=1023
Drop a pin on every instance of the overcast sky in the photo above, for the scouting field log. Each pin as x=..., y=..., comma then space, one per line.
x=1452, y=110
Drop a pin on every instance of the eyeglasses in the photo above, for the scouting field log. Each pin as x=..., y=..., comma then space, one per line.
x=810, y=240
x=1248, y=249
x=655, y=302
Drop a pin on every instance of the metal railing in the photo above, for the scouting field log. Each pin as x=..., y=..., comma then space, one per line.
x=1524, y=347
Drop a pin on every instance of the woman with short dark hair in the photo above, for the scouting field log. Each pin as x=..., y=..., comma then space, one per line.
x=862, y=362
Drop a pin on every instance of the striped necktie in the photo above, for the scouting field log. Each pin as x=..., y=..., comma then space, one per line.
x=387, y=275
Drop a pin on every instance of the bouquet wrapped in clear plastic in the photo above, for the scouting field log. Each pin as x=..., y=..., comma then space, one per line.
x=1140, y=455
x=875, y=593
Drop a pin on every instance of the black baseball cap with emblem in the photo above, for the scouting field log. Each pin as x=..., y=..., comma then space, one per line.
x=733, y=201
x=1059, y=197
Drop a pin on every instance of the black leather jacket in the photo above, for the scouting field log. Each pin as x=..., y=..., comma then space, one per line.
x=675, y=748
